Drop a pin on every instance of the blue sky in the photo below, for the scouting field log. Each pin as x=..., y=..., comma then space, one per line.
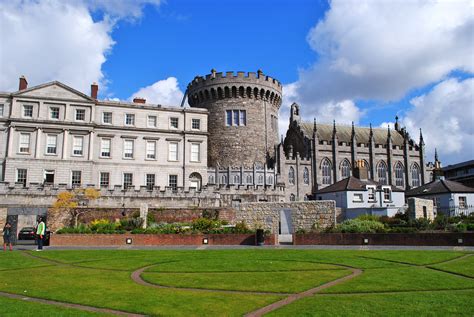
x=350, y=60
x=188, y=38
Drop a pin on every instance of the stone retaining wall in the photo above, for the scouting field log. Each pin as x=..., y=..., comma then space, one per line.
x=304, y=215
x=156, y=239
x=415, y=239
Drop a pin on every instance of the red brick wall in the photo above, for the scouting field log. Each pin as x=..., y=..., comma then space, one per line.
x=155, y=239
x=428, y=239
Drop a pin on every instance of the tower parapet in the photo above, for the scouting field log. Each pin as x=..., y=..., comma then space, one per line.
x=250, y=85
x=243, y=116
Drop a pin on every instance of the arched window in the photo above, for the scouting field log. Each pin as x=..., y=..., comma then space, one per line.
x=291, y=175
x=326, y=171
x=260, y=179
x=249, y=179
x=345, y=169
x=270, y=180
x=224, y=179
x=306, y=176
x=399, y=175
x=211, y=179
x=236, y=179
x=415, y=175
x=292, y=197
x=382, y=173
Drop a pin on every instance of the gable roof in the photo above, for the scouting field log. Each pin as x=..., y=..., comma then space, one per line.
x=344, y=133
x=439, y=186
x=353, y=184
x=28, y=91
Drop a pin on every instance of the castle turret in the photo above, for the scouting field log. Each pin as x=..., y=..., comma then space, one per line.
x=243, y=116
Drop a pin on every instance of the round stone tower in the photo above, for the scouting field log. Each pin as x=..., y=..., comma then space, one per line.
x=243, y=116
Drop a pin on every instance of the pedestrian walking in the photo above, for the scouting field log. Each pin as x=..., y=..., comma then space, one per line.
x=40, y=231
x=7, y=231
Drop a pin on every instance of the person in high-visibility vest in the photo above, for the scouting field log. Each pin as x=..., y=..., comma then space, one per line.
x=40, y=231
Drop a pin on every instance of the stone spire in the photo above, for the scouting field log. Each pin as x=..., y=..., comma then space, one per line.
x=334, y=131
x=397, y=125
x=353, y=129
x=389, y=134
x=371, y=134
x=421, y=139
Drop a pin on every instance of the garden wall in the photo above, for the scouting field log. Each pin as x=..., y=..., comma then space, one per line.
x=415, y=239
x=155, y=239
x=303, y=214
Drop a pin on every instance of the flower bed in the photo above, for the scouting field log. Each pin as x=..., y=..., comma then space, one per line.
x=414, y=239
x=156, y=239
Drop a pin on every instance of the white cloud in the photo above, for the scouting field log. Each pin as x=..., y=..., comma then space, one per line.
x=59, y=40
x=446, y=116
x=381, y=50
x=121, y=8
x=164, y=92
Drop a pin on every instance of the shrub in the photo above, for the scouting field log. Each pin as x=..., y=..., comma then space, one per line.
x=102, y=226
x=241, y=227
x=81, y=228
x=368, y=217
x=204, y=225
x=360, y=226
x=131, y=224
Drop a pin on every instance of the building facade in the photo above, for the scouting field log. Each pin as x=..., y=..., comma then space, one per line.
x=313, y=156
x=461, y=172
x=54, y=134
x=228, y=137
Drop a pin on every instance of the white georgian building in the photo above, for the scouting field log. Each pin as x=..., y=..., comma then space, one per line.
x=52, y=133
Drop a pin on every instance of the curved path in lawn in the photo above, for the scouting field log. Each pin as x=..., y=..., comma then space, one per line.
x=136, y=276
x=290, y=297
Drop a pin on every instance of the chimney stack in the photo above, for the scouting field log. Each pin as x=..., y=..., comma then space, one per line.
x=23, y=83
x=361, y=171
x=139, y=100
x=94, y=90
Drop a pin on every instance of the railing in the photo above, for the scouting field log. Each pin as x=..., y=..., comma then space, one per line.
x=456, y=211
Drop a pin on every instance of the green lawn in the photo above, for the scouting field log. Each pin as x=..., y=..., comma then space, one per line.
x=453, y=303
x=17, y=307
x=278, y=282
x=463, y=266
x=101, y=278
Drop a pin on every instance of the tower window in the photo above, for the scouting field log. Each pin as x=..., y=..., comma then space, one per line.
x=236, y=118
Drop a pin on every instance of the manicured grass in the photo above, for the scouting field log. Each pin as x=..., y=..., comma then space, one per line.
x=17, y=307
x=15, y=260
x=101, y=278
x=463, y=266
x=452, y=303
x=115, y=289
x=402, y=279
x=235, y=263
x=279, y=282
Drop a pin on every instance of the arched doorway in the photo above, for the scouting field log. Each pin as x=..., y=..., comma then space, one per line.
x=195, y=181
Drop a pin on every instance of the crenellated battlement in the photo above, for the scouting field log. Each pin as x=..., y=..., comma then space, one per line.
x=219, y=85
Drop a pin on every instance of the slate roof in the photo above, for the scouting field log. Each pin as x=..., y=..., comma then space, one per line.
x=344, y=133
x=353, y=184
x=439, y=186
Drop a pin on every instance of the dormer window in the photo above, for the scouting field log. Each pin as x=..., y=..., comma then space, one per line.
x=371, y=193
